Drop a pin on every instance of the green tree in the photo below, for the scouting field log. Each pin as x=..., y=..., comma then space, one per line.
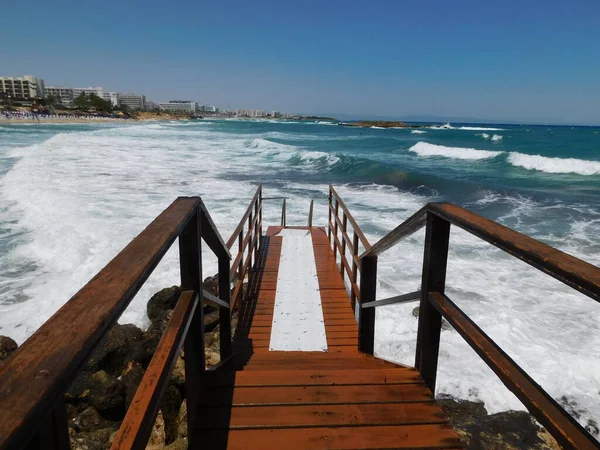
x=52, y=100
x=99, y=104
x=123, y=107
x=82, y=102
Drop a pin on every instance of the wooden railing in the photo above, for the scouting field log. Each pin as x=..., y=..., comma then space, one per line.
x=340, y=244
x=247, y=234
x=434, y=304
x=34, y=379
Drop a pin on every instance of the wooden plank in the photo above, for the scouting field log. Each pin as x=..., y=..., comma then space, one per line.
x=435, y=436
x=137, y=425
x=320, y=415
x=296, y=395
x=38, y=373
x=308, y=377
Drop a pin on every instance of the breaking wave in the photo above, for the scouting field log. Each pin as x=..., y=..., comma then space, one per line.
x=426, y=149
x=554, y=165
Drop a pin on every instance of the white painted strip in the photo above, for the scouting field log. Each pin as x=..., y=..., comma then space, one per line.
x=298, y=323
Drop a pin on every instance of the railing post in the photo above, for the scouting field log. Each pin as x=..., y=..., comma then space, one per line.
x=329, y=215
x=256, y=235
x=224, y=313
x=310, y=213
x=53, y=432
x=435, y=259
x=190, y=262
x=250, y=234
x=260, y=215
x=366, y=317
x=354, y=275
x=283, y=214
x=343, y=250
x=335, y=228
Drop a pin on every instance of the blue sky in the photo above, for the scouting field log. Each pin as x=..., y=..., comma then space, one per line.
x=521, y=61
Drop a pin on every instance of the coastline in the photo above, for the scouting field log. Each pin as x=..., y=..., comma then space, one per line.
x=141, y=117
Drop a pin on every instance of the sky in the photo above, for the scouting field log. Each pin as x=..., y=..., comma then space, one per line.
x=524, y=61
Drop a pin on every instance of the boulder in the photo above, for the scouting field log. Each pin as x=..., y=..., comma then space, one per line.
x=162, y=301
x=92, y=440
x=169, y=406
x=107, y=395
x=80, y=388
x=157, y=437
x=178, y=374
x=7, y=347
x=211, y=284
x=182, y=421
x=90, y=420
x=211, y=320
x=131, y=378
x=111, y=353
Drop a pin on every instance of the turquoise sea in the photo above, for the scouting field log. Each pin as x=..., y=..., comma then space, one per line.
x=71, y=196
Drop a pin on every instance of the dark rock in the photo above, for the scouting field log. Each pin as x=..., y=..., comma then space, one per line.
x=7, y=347
x=131, y=378
x=90, y=420
x=170, y=404
x=93, y=440
x=480, y=431
x=162, y=301
x=211, y=320
x=211, y=284
x=111, y=353
x=415, y=312
x=80, y=388
x=143, y=350
x=178, y=375
x=445, y=324
x=107, y=395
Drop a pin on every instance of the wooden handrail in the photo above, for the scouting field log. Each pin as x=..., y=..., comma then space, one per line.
x=566, y=430
x=438, y=217
x=33, y=380
x=248, y=243
x=343, y=243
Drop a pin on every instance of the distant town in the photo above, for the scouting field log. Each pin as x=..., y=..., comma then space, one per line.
x=31, y=91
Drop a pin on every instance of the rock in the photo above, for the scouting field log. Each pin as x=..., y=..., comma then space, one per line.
x=180, y=444
x=162, y=301
x=111, y=353
x=506, y=430
x=158, y=327
x=169, y=406
x=182, y=421
x=157, y=437
x=415, y=312
x=7, y=347
x=131, y=378
x=93, y=440
x=178, y=374
x=90, y=420
x=143, y=350
x=107, y=395
x=211, y=320
x=212, y=359
x=211, y=284
x=445, y=324
x=80, y=388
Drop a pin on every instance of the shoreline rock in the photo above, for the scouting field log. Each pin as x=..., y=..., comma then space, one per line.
x=380, y=124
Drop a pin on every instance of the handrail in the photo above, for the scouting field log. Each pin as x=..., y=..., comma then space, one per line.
x=34, y=379
x=437, y=218
x=247, y=244
x=335, y=226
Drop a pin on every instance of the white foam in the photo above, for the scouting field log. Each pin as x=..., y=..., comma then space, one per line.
x=484, y=135
x=418, y=132
x=447, y=126
x=496, y=137
x=554, y=165
x=426, y=149
x=378, y=128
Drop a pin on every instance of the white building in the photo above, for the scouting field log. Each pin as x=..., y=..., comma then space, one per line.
x=112, y=97
x=63, y=94
x=88, y=91
x=26, y=87
x=133, y=101
x=183, y=106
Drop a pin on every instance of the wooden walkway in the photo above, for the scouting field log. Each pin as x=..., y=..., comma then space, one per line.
x=307, y=400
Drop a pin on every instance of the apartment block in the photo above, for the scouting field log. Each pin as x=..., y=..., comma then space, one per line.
x=26, y=87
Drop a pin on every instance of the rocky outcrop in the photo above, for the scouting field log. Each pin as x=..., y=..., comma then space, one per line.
x=7, y=347
x=506, y=430
x=380, y=124
x=99, y=397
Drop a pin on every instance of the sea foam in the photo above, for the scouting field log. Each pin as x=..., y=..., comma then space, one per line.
x=427, y=149
x=554, y=165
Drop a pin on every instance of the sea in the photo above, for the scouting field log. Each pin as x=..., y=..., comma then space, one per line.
x=73, y=195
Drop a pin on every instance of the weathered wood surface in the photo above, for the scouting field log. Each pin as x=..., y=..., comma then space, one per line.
x=341, y=398
x=37, y=375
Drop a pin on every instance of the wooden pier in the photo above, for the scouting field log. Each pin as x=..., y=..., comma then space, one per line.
x=340, y=398
x=298, y=370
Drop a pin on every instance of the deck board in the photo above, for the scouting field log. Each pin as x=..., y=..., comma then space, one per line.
x=340, y=398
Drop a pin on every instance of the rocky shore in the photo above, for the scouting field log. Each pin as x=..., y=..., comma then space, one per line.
x=100, y=395
x=380, y=124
